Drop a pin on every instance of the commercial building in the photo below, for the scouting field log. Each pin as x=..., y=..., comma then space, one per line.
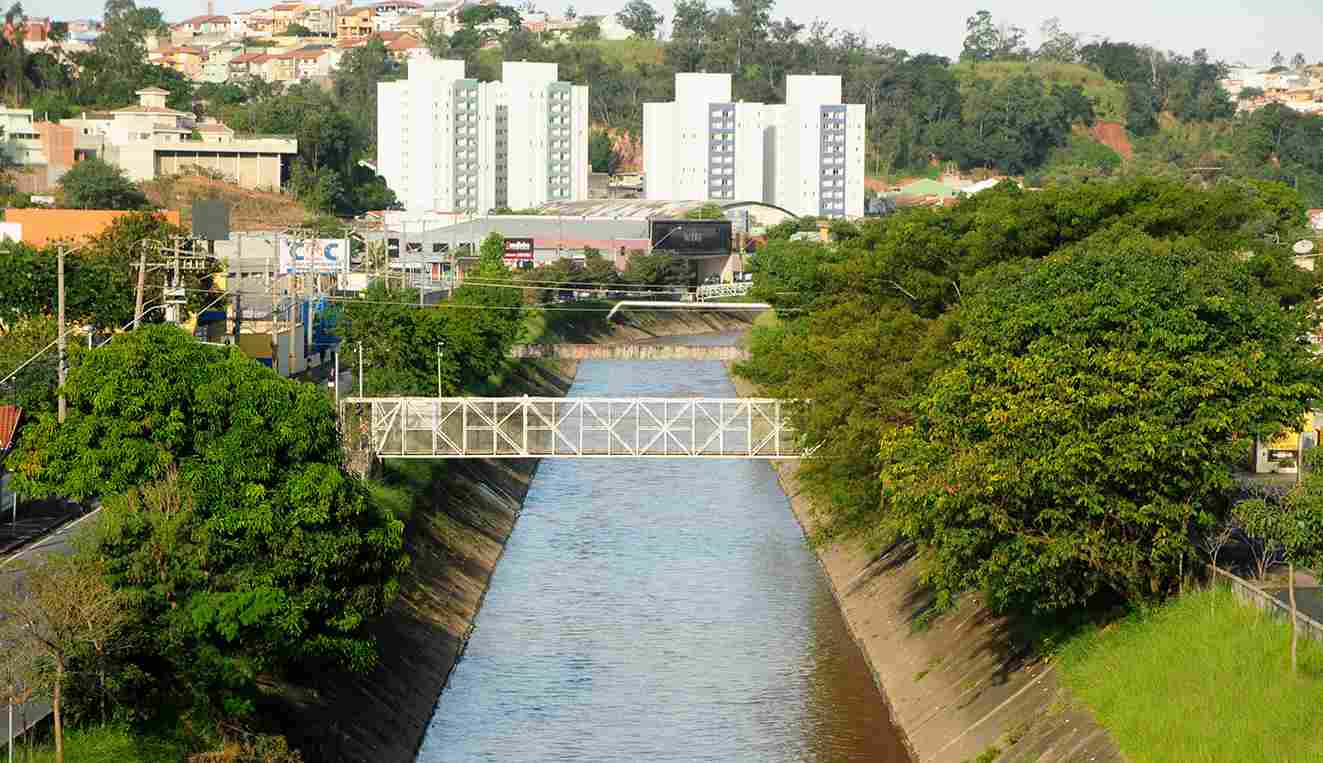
x=806, y=155
x=448, y=143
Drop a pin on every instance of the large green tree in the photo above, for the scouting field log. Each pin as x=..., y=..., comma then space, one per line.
x=96, y=184
x=639, y=17
x=867, y=321
x=268, y=556
x=1097, y=403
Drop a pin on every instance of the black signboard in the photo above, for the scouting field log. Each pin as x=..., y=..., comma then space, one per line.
x=694, y=238
x=211, y=220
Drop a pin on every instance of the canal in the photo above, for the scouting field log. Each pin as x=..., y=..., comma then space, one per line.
x=661, y=610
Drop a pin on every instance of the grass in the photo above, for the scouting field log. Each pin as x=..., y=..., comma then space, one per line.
x=108, y=743
x=565, y=325
x=1203, y=678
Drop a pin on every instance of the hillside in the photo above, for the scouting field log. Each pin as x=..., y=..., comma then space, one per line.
x=249, y=210
x=1108, y=97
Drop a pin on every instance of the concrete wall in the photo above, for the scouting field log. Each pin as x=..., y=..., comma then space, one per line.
x=247, y=169
x=628, y=352
x=41, y=226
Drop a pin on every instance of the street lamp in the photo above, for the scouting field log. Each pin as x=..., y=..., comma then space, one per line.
x=440, y=347
x=670, y=233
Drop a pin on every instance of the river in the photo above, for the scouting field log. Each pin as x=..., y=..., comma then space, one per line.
x=659, y=610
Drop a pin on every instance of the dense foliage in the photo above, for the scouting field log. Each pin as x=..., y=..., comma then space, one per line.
x=469, y=335
x=230, y=521
x=931, y=341
x=96, y=184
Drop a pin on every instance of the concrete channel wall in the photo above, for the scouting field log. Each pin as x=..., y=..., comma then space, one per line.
x=628, y=352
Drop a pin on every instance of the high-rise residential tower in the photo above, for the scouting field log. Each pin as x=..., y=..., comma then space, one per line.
x=447, y=143
x=806, y=155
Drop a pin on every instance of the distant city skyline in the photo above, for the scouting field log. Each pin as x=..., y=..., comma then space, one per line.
x=1235, y=31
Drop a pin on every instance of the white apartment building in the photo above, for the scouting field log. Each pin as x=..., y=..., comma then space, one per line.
x=806, y=155
x=448, y=143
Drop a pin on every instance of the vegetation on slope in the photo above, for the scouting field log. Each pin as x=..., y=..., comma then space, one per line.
x=1202, y=678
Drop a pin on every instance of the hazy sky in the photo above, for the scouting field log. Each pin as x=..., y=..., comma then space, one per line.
x=1233, y=30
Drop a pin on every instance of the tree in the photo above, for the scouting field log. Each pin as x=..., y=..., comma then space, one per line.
x=277, y=557
x=59, y=608
x=1293, y=527
x=33, y=388
x=570, y=12
x=707, y=211
x=1278, y=59
x=602, y=154
x=1141, y=117
x=587, y=30
x=875, y=316
x=298, y=30
x=981, y=38
x=658, y=269
x=639, y=17
x=491, y=254
x=1058, y=45
x=1023, y=472
x=1298, y=61
x=96, y=184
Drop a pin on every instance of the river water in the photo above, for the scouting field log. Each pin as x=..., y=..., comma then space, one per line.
x=659, y=610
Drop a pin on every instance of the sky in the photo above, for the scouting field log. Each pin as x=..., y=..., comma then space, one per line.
x=1232, y=30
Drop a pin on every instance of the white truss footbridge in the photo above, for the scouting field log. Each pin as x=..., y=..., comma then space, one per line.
x=571, y=427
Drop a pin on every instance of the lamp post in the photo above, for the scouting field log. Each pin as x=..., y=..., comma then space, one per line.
x=440, y=347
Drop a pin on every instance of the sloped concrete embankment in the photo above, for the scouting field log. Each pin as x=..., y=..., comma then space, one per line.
x=960, y=684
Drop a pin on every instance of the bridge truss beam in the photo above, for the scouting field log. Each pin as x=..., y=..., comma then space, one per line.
x=557, y=427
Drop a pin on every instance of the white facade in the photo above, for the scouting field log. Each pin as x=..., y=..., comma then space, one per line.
x=450, y=144
x=806, y=155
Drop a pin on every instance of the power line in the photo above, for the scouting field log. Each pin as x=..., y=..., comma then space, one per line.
x=55, y=341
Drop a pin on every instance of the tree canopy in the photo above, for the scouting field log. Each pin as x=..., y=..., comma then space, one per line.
x=96, y=184
x=276, y=555
x=888, y=327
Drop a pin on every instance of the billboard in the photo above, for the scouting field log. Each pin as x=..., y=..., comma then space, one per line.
x=313, y=255
x=694, y=238
x=518, y=251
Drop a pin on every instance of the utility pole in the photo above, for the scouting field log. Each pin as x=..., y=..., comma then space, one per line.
x=142, y=285
x=440, y=346
x=61, y=340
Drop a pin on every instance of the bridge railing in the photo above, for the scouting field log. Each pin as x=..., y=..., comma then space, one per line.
x=529, y=427
x=722, y=290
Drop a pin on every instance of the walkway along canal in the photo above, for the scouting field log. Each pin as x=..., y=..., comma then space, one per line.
x=664, y=610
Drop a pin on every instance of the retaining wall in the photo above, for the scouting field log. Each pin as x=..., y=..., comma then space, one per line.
x=628, y=352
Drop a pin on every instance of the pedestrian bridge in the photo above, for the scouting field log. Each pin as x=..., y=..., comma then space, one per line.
x=570, y=427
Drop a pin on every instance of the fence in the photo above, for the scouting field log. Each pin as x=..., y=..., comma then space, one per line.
x=723, y=290
x=1252, y=594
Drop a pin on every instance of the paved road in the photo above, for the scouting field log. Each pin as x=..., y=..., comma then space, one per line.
x=14, y=566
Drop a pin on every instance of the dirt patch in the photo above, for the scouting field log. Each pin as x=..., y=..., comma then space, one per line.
x=957, y=685
x=249, y=210
x=1113, y=135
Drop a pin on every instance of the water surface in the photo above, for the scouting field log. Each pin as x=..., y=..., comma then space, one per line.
x=659, y=610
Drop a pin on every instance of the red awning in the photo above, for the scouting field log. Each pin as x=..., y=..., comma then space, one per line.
x=9, y=415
